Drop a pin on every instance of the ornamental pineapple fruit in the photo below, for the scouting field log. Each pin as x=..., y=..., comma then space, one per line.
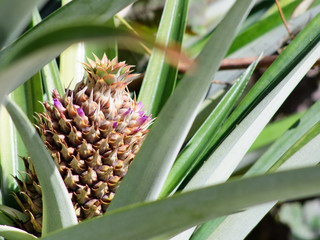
x=93, y=133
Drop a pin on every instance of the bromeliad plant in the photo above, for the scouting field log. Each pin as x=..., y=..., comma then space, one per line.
x=90, y=135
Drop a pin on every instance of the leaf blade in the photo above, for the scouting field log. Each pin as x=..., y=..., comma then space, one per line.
x=227, y=156
x=193, y=207
x=58, y=211
x=197, y=146
x=44, y=49
x=226, y=227
x=160, y=78
x=11, y=25
x=72, y=15
x=12, y=233
x=293, y=54
x=180, y=112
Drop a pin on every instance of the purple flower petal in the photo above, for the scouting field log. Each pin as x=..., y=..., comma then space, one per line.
x=141, y=113
x=58, y=104
x=136, y=130
x=115, y=124
x=142, y=119
x=126, y=112
x=139, y=106
x=81, y=112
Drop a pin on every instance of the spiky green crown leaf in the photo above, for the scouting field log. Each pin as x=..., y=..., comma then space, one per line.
x=109, y=71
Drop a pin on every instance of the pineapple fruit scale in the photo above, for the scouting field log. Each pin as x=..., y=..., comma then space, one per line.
x=93, y=133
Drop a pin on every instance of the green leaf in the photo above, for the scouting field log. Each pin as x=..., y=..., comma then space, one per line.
x=160, y=77
x=257, y=13
x=146, y=176
x=274, y=131
x=9, y=160
x=297, y=50
x=240, y=224
x=36, y=54
x=71, y=69
x=12, y=233
x=269, y=43
x=310, y=134
x=58, y=211
x=263, y=26
x=34, y=96
x=197, y=146
x=5, y=220
x=11, y=25
x=224, y=160
x=283, y=144
x=253, y=32
x=173, y=214
x=29, y=96
x=60, y=29
x=50, y=72
x=206, y=108
x=51, y=79
x=13, y=213
x=266, y=161
x=220, y=165
x=111, y=49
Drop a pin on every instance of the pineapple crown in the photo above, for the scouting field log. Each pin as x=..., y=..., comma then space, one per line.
x=108, y=71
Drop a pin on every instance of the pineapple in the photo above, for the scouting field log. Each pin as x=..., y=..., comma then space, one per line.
x=93, y=133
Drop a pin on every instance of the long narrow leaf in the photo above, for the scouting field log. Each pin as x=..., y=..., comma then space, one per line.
x=12, y=233
x=9, y=159
x=34, y=96
x=34, y=55
x=207, y=106
x=240, y=224
x=144, y=221
x=160, y=77
x=5, y=220
x=50, y=72
x=51, y=79
x=251, y=33
x=147, y=175
x=274, y=131
x=221, y=164
x=224, y=160
x=310, y=134
x=268, y=43
x=298, y=49
x=263, y=165
x=263, y=26
x=75, y=13
x=58, y=211
x=71, y=70
x=11, y=25
x=197, y=146
x=110, y=49
x=283, y=144
x=71, y=15
x=13, y=213
x=28, y=97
